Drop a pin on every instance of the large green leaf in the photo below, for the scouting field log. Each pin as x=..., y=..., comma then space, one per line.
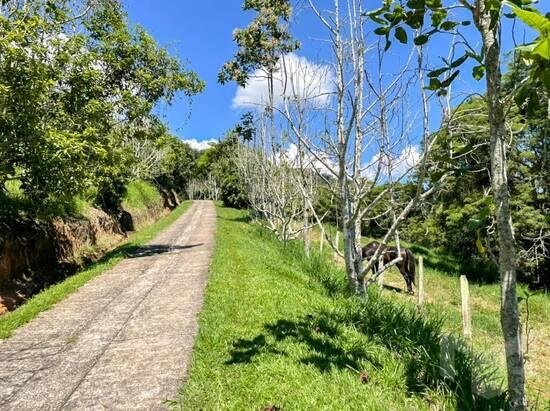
x=532, y=18
x=401, y=35
x=421, y=40
x=542, y=48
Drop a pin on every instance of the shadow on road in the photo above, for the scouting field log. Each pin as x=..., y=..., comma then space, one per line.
x=156, y=249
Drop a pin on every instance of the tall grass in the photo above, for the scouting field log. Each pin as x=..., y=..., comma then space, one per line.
x=434, y=360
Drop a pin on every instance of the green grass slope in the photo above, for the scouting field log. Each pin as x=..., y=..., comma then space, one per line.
x=278, y=330
x=442, y=285
x=442, y=288
x=141, y=195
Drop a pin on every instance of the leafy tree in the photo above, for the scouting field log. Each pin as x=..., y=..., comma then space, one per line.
x=137, y=74
x=52, y=135
x=246, y=128
x=69, y=99
x=218, y=162
x=178, y=165
x=261, y=46
x=262, y=43
x=486, y=16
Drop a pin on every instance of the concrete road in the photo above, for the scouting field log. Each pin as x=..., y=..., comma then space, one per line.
x=124, y=340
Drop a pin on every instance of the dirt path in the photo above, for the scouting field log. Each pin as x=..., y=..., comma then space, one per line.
x=124, y=340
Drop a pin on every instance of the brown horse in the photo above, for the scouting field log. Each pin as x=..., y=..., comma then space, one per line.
x=406, y=266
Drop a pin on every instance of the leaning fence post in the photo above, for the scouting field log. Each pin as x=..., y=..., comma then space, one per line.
x=466, y=319
x=322, y=243
x=420, y=280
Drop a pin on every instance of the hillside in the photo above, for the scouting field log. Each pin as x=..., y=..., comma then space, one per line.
x=278, y=330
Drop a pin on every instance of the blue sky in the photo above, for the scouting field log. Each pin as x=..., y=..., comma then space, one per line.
x=199, y=32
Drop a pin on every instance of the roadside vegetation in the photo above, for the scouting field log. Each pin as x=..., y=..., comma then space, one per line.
x=280, y=329
x=342, y=141
x=47, y=298
x=84, y=155
x=442, y=287
x=365, y=132
x=78, y=89
x=140, y=196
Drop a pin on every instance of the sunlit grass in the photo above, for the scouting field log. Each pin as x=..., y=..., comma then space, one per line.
x=442, y=288
x=278, y=329
x=141, y=195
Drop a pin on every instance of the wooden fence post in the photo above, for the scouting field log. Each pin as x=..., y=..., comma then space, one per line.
x=322, y=243
x=420, y=280
x=465, y=296
x=380, y=279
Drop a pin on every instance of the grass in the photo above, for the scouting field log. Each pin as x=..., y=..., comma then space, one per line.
x=141, y=195
x=442, y=272
x=279, y=330
x=443, y=296
x=47, y=298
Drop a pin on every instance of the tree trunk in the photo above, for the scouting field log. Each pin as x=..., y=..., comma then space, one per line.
x=349, y=230
x=509, y=312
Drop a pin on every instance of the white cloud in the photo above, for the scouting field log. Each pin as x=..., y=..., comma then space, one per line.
x=296, y=77
x=319, y=162
x=409, y=158
x=401, y=165
x=200, y=145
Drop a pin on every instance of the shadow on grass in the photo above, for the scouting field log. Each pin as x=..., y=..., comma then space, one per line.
x=244, y=351
x=478, y=272
x=394, y=289
x=244, y=218
x=326, y=344
x=431, y=358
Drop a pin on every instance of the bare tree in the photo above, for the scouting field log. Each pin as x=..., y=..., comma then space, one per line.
x=147, y=155
x=273, y=186
x=362, y=117
x=206, y=188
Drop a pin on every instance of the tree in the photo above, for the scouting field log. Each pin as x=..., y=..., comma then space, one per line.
x=360, y=116
x=178, y=165
x=217, y=173
x=262, y=45
x=486, y=16
x=71, y=97
x=461, y=218
x=136, y=75
x=52, y=131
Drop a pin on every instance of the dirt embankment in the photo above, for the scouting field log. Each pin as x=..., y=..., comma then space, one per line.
x=37, y=254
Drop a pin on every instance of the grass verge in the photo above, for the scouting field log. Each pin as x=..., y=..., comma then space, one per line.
x=442, y=287
x=278, y=331
x=47, y=298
